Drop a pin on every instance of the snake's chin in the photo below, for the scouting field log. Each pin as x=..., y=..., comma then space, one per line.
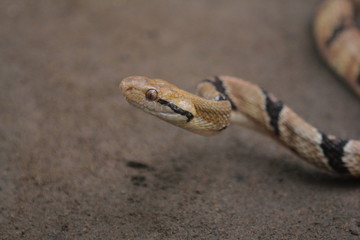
x=167, y=117
x=166, y=114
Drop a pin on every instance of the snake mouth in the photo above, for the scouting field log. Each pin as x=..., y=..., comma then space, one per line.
x=156, y=109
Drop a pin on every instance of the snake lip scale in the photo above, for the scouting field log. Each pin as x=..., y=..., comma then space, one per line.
x=222, y=100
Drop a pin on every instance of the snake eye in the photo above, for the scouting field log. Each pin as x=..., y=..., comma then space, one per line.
x=151, y=95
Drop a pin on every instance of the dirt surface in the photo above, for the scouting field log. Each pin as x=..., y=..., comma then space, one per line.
x=78, y=162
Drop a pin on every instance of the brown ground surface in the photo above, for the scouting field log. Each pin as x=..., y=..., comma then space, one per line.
x=77, y=162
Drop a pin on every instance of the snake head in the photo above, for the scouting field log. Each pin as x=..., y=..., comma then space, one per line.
x=159, y=98
x=178, y=107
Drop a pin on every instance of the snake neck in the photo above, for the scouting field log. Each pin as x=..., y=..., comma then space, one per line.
x=210, y=117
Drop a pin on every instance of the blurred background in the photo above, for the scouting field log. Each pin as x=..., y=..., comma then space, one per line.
x=78, y=162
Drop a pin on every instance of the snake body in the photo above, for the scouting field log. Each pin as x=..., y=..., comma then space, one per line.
x=222, y=100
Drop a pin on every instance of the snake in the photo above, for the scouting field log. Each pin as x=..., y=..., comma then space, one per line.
x=222, y=100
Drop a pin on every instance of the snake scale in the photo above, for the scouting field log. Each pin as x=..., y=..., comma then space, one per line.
x=222, y=100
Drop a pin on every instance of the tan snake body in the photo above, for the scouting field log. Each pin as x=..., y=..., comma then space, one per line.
x=225, y=99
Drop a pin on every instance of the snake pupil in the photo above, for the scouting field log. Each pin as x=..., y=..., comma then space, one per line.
x=151, y=95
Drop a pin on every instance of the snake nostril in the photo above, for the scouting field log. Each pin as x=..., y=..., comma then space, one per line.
x=129, y=88
x=125, y=86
